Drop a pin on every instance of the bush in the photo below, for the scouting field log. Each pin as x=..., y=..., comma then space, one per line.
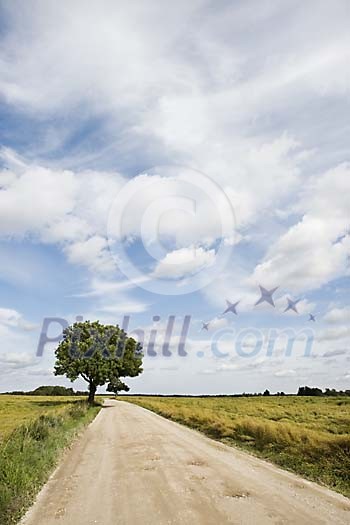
x=78, y=410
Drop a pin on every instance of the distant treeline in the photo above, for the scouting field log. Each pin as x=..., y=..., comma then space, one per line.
x=312, y=391
x=49, y=391
x=303, y=391
x=63, y=391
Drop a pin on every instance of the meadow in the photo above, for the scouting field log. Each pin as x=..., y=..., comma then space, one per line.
x=17, y=410
x=307, y=435
x=34, y=432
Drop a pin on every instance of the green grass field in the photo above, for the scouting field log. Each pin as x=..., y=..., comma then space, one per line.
x=308, y=435
x=34, y=432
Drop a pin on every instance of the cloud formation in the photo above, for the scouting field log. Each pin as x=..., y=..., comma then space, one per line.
x=254, y=95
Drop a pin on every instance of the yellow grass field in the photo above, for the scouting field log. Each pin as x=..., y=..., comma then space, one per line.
x=308, y=435
x=15, y=410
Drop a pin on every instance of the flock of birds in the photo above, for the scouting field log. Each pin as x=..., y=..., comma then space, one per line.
x=266, y=297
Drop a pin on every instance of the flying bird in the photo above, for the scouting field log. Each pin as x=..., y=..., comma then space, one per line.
x=231, y=307
x=312, y=318
x=292, y=305
x=266, y=296
x=205, y=326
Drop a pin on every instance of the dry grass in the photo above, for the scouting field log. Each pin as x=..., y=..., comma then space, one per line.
x=310, y=436
x=16, y=410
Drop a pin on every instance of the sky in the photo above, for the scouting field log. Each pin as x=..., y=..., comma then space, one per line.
x=160, y=159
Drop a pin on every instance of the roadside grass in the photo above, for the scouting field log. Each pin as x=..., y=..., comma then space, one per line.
x=31, y=451
x=307, y=435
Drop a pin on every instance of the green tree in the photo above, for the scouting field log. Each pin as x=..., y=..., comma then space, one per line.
x=309, y=391
x=116, y=386
x=98, y=353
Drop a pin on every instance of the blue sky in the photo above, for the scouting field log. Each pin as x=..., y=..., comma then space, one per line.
x=160, y=160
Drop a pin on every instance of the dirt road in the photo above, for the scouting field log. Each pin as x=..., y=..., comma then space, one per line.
x=132, y=467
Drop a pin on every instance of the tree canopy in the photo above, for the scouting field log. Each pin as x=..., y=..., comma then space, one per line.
x=117, y=386
x=98, y=353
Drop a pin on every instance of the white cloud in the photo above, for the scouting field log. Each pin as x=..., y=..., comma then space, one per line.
x=34, y=198
x=213, y=99
x=337, y=333
x=9, y=317
x=184, y=261
x=93, y=253
x=226, y=367
x=218, y=322
x=41, y=372
x=122, y=41
x=338, y=315
x=12, y=318
x=57, y=206
x=285, y=373
x=207, y=372
x=72, y=210
x=313, y=251
x=17, y=352
x=124, y=305
x=103, y=287
x=16, y=360
x=252, y=113
x=204, y=103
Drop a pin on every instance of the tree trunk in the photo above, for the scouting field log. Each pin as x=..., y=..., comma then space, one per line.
x=92, y=392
